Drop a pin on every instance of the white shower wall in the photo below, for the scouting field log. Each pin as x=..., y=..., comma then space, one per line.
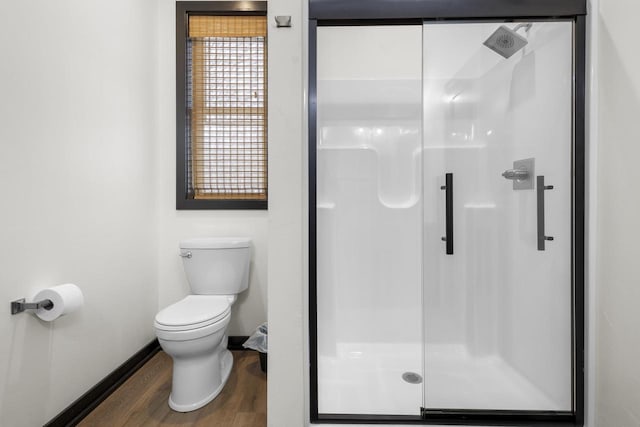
x=498, y=294
x=498, y=312
x=369, y=213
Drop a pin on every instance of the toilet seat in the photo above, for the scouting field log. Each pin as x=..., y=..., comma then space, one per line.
x=193, y=312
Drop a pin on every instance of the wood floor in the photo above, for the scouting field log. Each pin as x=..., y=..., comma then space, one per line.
x=142, y=399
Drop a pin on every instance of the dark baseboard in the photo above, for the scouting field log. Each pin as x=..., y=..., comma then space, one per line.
x=235, y=343
x=86, y=403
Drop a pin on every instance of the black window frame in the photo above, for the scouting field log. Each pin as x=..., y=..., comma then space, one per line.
x=183, y=10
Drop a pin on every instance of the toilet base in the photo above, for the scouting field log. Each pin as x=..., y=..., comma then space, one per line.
x=226, y=363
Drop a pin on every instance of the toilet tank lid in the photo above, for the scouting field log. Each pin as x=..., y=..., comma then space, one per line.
x=215, y=243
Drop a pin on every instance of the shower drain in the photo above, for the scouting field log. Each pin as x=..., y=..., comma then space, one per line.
x=412, y=377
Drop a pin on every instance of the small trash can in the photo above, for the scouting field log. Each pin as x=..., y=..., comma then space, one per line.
x=263, y=362
x=258, y=342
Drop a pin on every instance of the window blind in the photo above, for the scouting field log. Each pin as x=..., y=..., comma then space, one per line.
x=227, y=107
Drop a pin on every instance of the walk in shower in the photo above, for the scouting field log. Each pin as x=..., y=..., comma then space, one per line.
x=446, y=211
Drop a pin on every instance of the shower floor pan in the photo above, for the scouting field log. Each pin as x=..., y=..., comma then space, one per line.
x=367, y=379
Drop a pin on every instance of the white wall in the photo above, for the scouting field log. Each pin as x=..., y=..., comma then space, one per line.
x=618, y=317
x=251, y=308
x=591, y=217
x=77, y=183
x=286, y=399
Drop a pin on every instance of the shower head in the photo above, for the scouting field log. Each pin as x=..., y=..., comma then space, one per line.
x=506, y=41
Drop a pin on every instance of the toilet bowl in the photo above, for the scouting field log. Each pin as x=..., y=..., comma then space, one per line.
x=193, y=330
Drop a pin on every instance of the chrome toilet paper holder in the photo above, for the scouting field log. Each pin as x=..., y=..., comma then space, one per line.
x=20, y=305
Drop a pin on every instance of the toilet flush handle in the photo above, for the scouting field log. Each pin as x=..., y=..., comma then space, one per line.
x=186, y=254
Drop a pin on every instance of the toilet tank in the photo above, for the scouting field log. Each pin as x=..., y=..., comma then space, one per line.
x=216, y=265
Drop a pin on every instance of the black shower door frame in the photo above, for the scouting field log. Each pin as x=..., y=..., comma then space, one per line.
x=394, y=12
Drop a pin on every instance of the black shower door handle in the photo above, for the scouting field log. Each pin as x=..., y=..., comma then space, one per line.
x=541, y=188
x=448, y=188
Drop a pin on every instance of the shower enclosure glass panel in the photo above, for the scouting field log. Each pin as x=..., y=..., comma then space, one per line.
x=443, y=214
x=498, y=310
x=369, y=217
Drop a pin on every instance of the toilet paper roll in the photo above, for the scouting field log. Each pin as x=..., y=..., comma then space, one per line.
x=65, y=298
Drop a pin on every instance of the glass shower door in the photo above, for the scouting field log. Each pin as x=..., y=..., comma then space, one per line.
x=497, y=185
x=369, y=208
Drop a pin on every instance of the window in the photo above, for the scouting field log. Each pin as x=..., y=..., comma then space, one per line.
x=221, y=103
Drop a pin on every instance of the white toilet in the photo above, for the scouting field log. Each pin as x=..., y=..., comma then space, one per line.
x=193, y=330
